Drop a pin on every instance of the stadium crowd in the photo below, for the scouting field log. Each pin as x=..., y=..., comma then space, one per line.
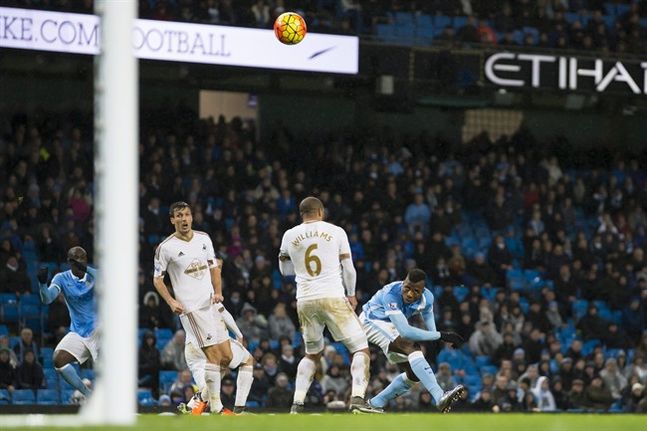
x=607, y=26
x=537, y=261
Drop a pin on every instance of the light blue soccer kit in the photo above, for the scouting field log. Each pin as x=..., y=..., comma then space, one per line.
x=82, y=341
x=384, y=318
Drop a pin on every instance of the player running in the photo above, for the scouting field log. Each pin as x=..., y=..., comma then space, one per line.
x=319, y=255
x=242, y=359
x=385, y=320
x=189, y=258
x=77, y=286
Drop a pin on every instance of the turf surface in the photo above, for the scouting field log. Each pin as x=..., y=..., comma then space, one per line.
x=388, y=422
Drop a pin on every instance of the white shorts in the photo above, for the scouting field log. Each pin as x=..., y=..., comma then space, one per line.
x=204, y=326
x=334, y=314
x=196, y=359
x=382, y=334
x=82, y=348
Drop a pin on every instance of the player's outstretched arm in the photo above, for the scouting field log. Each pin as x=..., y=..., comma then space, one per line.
x=410, y=332
x=47, y=293
x=231, y=323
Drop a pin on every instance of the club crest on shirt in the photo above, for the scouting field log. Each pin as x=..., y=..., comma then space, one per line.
x=196, y=269
x=393, y=306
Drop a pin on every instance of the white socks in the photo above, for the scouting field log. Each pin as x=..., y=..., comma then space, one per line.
x=359, y=371
x=212, y=377
x=305, y=374
x=243, y=384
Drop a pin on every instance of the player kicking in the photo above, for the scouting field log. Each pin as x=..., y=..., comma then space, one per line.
x=385, y=320
x=189, y=258
x=241, y=359
x=319, y=255
x=82, y=342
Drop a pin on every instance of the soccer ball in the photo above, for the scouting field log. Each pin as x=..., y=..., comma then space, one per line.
x=290, y=28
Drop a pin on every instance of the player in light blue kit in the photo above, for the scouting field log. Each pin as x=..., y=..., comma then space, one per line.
x=77, y=285
x=385, y=319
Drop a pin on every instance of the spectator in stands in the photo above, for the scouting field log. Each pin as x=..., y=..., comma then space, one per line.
x=636, y=399
x=13, y=278
x=260, y=386
x=280, y=324
x=506, y=349
x=228, y=393
x=597, y=396
x=485, y=340
x=613, y=378
x=637, y=368
x=288, y=362
x=4, y=344
x=543, y=395
x=7, y=371
x=500, y=258
x=444, y=376
x=151, y=315
x=172, y=357
x=149, y=364
x=26, y=344
x=334, y=380
x=484, y=401
x=251, y=324
x=592, y=326
x=417, y=215
x=29, y=374
x=279, y=396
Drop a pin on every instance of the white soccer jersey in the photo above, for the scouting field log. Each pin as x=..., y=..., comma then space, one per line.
x=314, y=250
x=188, y=264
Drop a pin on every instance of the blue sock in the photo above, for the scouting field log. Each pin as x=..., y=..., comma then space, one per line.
x=423, y=371
x=399, y=386
x=69, y=375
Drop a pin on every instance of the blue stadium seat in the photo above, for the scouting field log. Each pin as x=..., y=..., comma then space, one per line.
x=460, y=292
x=403, y=18
x=23, y=397
x=482, y=361
x=589, y=346
x=47, y=397
x=613, y=353
x=473, y=380
x=571, y=17
x=9, y=312
x=489, y=369
x=87, y=373
x=145, y=398
x=8, y=298
x=341, y=349
x=5, y=397
x=4, y=330
x=579, y=307
x=51, y=377
x=30, y=299
x=441, y=21
x=297, y=340
x=385, y=32
x=253, y=404
x=610, y=8
x=66, y=396
x=166, y=380
x=48, y=357
x=459, y=21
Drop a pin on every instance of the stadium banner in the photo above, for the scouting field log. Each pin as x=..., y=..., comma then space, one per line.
x=183, y=42
x=568, y=73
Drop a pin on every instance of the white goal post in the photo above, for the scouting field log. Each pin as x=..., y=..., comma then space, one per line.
x=116, y=215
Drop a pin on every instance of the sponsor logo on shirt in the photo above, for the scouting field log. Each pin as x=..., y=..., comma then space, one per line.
x=196, y=269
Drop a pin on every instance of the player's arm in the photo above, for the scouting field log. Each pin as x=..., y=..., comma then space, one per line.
x=348, y=273
x=231, y=323
x=47, y=293
x=410, y=332
x=161, y=263
x=286, y=267
x=215, y=266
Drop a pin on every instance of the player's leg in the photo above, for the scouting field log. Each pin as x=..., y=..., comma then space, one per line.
x=69, y=350
x=244, y=361
x=216, y=356
x=419, y=366
x=400, y=385
x=196, y=361
x=312, y=332
x=345, y=326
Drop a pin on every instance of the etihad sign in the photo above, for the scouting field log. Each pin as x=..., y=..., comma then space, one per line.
x=508, y=69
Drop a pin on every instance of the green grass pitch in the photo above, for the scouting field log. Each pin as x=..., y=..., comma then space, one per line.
x=388, y=422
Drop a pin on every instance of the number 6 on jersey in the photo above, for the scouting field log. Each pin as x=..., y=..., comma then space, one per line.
x=311, y=258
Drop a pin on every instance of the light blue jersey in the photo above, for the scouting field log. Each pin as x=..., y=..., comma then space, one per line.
x=80, y=299
x=388, y=300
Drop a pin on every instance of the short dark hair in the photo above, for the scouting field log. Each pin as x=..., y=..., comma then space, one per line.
x=310, y=205
x=416, y=275
x=178, y=206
